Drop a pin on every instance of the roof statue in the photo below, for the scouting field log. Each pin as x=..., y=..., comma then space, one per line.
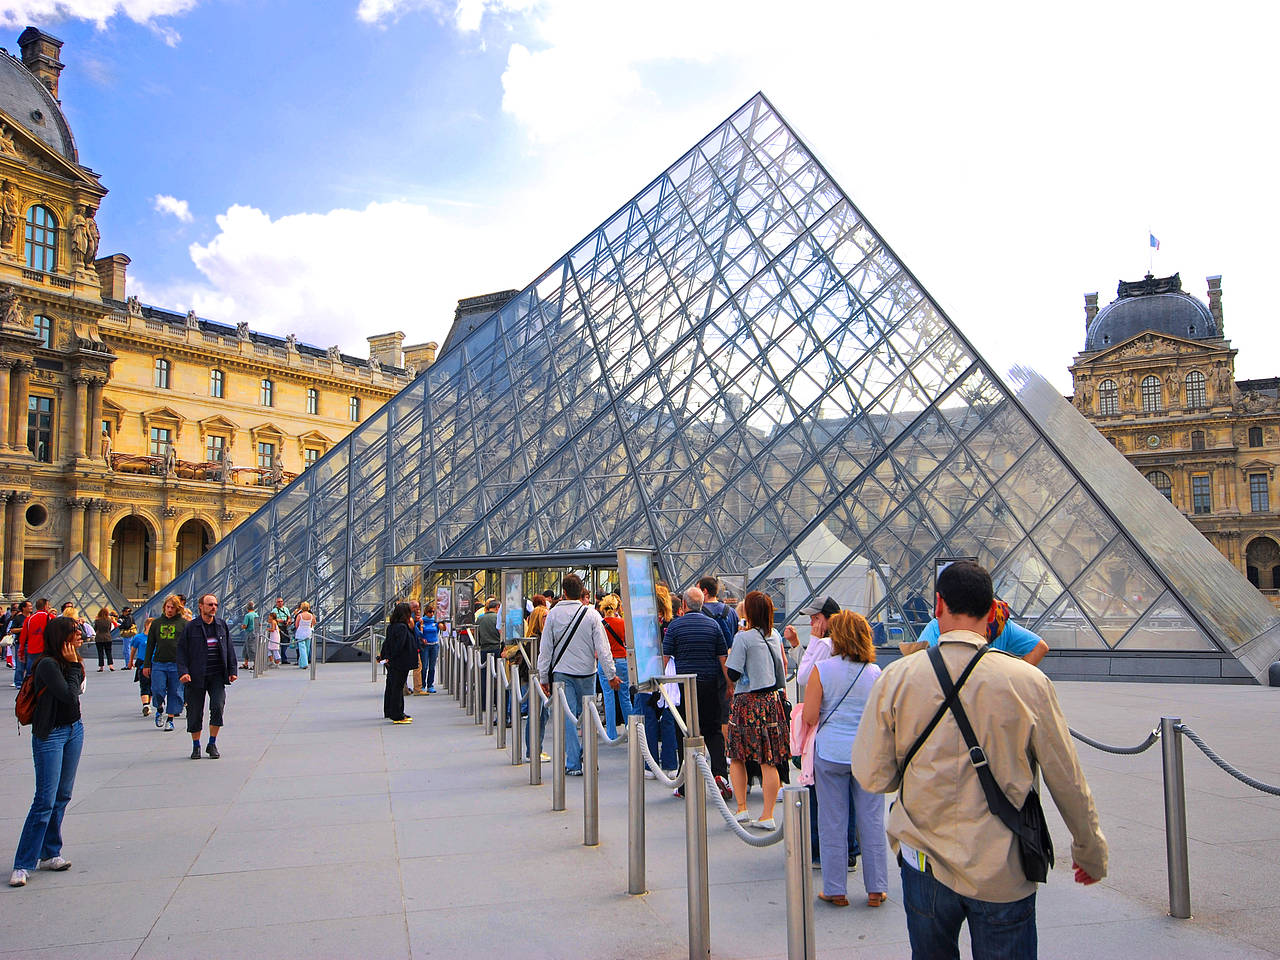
x=736, y=371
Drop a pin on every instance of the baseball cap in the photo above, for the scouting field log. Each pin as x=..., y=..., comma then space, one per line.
x=828, y=608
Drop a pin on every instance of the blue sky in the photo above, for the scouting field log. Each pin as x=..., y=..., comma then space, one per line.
x=339, y=168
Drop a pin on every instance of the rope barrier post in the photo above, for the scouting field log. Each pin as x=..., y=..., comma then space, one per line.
x=590, y=774
x=695, y=845
x=557, y=745
x=635, y=806
x=502, y=694
x=517, y=721
x=1175, y=818
x=797, y=844
x=492, y=687
x=535, y=729
x=478, y=680
x=455, y=671
x=373, y=658
x=311, y=652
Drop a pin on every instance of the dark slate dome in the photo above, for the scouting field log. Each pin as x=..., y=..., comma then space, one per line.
x=30, y=104
x=1157, y=304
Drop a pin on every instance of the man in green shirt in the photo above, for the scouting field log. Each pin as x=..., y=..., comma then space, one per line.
x=488, y=639
x=160, y=665
x=250, y=627
x=282, y=614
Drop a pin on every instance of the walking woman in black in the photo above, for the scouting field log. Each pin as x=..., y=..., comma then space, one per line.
x=102, y=637
x=400, y=654
x=57, y=737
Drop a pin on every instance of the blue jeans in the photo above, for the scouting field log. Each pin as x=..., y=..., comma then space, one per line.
x=56, y=758
x=997, y=931
x=623, y=693
x=20, y=668
x=430, y=654
x=655, y=726
x=542, y=730
x=166, y=691
x=575, y=688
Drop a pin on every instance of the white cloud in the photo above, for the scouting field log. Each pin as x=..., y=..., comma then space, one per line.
x=466, y=14
x=172, y=206
x=338, y=277
x=19, y=13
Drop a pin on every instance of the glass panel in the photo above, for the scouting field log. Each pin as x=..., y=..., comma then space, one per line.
x=1166, y=626
x=1066, y=627
x=1073, y=534
x=1025, y=582
x=1117, y=590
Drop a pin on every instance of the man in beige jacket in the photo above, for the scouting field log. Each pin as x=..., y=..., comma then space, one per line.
x=959, y=862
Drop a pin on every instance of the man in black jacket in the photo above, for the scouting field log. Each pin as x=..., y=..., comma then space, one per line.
x=206, y=660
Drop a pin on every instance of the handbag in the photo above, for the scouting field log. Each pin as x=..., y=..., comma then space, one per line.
x=1027, y=823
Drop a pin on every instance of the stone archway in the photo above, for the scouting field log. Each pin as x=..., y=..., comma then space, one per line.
x=1262, y=563
x=194, y=539
x=133, y=556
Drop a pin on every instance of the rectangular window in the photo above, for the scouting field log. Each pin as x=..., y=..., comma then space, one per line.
x=1259, y=494
x=1201, y=498
x=353, y=409
x=215, y=449
x=313, y=401
x=266, y=456
x=217, y=383
x=44, y=329
x=40, y=428
x=309, y=456
x=162, y=373
x=267, y=393
x=161, y=439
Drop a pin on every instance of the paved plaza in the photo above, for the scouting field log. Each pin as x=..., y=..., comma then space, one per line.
x=327, y=832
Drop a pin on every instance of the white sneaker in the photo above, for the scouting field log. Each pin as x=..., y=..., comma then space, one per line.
x=55, y=863
x=649, y=774
x=146, y=709
x=742, y=816
x=18, y=878
x=763, y=824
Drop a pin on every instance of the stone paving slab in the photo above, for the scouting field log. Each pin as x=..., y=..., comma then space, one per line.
x=326, y=832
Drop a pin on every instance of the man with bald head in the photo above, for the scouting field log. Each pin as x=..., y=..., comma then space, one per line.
x=206, y=660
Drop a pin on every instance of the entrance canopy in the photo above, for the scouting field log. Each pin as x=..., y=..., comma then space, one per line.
x=78, y=581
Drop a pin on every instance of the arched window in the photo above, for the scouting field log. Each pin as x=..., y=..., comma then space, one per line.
x=1152, y=398
x=44, y=329
x=1195, y=390
x=1160, y=480
x=1255, y=436
x=162, y=373
x=217, y=383
x=42, y=239
x=353, y=409
x=267, y=393
x=1108, y=398
x=1197, y=439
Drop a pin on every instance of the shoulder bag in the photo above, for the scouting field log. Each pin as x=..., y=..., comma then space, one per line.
x=562, y=648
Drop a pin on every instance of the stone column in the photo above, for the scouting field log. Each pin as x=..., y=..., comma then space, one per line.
x=75, y=518
x=94, y=450
x=103, y=520
x=4, y=538
x=78, y=416
x=166, y=568
x=17, y=542
x=4, y=405
x=21, y=398
x=95, y=530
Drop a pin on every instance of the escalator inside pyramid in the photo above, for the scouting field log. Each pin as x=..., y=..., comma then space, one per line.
x=736, y=372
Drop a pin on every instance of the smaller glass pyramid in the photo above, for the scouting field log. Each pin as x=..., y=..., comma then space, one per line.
x=78, y=581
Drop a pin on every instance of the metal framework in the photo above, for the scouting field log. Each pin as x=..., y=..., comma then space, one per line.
x=737, y=372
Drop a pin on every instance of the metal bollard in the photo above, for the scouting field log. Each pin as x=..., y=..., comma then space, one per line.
x=798, y=847
x=535, y=731
x=311, y=652
x=455, y=681
x=478, y=679
x=492, y=686
x=557, y=746
x=373, y=657
x=502, y=690
x=1175, y=819
x=695, y=845
x=468, y=680
x=635, y=807
x=590, y=774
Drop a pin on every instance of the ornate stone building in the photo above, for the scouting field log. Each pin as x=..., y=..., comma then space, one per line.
x=1157, y=378
x=135, y=434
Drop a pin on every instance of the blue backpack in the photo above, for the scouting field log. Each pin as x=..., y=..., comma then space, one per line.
x=722, y=621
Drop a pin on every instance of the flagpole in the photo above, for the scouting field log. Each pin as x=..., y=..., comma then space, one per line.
x=1151, y=253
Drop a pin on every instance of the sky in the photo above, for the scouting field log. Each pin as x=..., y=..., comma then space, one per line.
x=341, y=168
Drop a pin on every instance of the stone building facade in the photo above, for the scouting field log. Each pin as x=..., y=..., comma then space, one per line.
x=138, y=435
x=1157, y=378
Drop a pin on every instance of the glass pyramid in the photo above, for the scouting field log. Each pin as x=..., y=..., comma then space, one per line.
x=83, y=584
x=736, y=371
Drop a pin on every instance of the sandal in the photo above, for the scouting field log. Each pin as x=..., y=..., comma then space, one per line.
x=875, y=899
x=839, y=900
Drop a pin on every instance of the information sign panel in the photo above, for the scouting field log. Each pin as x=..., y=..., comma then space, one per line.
x=640, y=615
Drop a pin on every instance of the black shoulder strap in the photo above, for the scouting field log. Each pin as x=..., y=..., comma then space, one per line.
x=998, y=803
x=613, y=633
x=568, y=636
x=935, y=655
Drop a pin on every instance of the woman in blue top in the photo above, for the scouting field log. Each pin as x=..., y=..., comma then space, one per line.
x=833, y=701
x=431, y=646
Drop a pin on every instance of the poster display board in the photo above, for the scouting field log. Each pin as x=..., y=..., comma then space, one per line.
x=640, y=616
x=444, y=610
x=511, y=625
x=464, y=607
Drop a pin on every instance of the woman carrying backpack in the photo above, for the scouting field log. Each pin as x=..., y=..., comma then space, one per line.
x=57, y=737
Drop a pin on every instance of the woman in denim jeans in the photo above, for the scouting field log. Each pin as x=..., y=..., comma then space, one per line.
x=57, y=737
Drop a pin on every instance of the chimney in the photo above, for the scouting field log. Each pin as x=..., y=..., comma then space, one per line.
x=1215, y=301
x=40, y=56
x=387, y=348
x=421, y=355
x=111, y=274
x=1090, y=309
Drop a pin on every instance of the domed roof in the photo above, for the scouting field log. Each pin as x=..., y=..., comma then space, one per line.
x=1151, y=304
x=30, y=104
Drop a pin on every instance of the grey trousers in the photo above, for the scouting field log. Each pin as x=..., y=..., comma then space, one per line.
x=832, y=781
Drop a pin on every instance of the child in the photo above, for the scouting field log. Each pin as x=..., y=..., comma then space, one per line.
x=273, y=638
x=143, y=682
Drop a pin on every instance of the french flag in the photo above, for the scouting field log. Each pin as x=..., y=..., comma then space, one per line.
x=1154, y=243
